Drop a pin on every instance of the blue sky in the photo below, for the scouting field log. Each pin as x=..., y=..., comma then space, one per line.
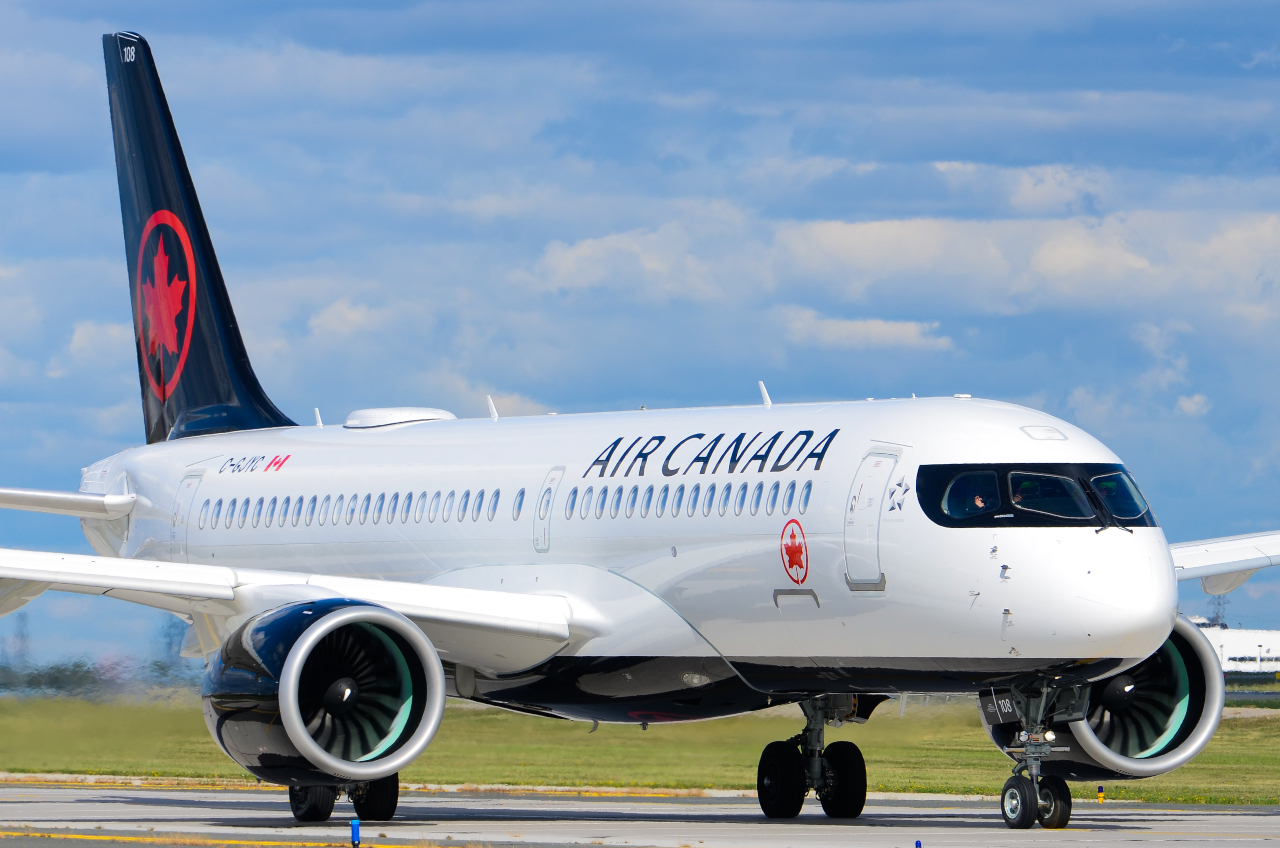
x=580, y=206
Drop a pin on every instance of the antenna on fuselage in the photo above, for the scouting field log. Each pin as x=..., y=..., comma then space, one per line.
x=319, y=423
x=764, y=395
x=493, y=410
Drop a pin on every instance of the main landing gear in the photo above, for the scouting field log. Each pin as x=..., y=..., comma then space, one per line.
x=374, y=801
x=836, y=772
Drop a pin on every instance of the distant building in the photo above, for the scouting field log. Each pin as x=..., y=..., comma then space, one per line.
x=1242, y=650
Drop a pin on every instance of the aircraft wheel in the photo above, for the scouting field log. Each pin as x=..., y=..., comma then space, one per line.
x=1018, y=802
x=846, y=798
x=312, y=803
x=1055, y=803
x=377, y=802
x=780, y=784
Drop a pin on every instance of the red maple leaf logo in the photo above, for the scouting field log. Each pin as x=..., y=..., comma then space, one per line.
x=795, y=552
x=161, y=303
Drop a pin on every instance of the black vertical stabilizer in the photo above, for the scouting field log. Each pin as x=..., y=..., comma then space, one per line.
x=195, y=374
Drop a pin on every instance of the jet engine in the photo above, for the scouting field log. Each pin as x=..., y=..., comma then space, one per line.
x=1148, y=720
x=324, y=692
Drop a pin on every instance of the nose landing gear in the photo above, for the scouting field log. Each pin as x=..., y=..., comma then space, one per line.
x=836, y=772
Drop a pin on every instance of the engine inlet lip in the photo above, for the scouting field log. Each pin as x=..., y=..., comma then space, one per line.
x=291, y=677
x=1214, y=699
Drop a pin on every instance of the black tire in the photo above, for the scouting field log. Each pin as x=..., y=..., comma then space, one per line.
x=312, y=803
x=378, y=800
x=848, y=796
x=780, y=784
x=1055, y=803
x=1018, y=802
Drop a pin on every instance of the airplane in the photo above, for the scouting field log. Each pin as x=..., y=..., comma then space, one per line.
x=632, y=567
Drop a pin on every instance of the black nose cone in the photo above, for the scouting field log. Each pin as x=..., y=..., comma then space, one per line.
x=341, y=696
x=1119, y=693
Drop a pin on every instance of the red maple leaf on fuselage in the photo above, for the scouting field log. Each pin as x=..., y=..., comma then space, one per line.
x=161, y=303
x=795, y=553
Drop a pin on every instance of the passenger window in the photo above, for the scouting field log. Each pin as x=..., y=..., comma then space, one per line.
x=972, y=493
x=217, y=514
x=392, y=506
x=284, y=512
x=804, y=495
x=407, y=508
x=1118, y=492
x=662, y=501
x=204, y=514
x=646, y=502
x=462, y=504
x=493, y=503
x=741, y=501
x=773, y=500
x=631, y=500
x=789, y=497
x=448, y=507
x=693, y=498
x=571, y=503
x=709, y=500
x=588, y=497
x=257, y=512
x=755, y=498
x=435, y=507
x=1060, y=496
x=297, y=509
x=601, y=500
x=725, y=497
x=337, y=510
x=617, y=503
x=377, y=508
x=324, y=510
x=517, y=505
x=352, y=505
x=311, y=510
x=244, y=510
x=364, y=508
x=476, y=507
x=422, y=506
x=231, y=512
x=677, y=500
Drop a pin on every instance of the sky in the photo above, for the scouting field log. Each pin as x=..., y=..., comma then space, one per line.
x=597, y=205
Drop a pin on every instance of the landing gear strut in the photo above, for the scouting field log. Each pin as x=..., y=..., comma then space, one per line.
x=1029, y=796
x=836, y=772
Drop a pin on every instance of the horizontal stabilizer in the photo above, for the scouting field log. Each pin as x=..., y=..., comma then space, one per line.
x=1223, y=565
x=78, y=504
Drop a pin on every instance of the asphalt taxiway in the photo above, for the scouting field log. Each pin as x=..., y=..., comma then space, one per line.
x=31, y=813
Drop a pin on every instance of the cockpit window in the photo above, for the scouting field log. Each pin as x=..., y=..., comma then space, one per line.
x=1060, y=496
x=971, y=494
x=1120, y=495
x=1031, y=494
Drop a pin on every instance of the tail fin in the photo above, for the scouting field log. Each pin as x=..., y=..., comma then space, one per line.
x=196, y=377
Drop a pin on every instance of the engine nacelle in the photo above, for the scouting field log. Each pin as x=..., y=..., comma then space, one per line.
x=1145, y=721
x=324, y=692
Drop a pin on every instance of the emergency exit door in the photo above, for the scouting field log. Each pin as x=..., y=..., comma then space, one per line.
x=862, y=521
x=182, y=516
x=542, y=510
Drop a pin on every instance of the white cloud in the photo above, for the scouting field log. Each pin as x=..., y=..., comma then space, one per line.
x=806, y=327
x=1194, y=405
x=342, y=318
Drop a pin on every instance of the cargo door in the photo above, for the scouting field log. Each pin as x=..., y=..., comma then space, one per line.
x=542, y=510
x=862, y=522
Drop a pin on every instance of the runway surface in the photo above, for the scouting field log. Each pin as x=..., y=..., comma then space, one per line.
x=121, y=814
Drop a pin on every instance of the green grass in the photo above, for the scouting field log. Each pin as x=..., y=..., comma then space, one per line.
x=941, y=748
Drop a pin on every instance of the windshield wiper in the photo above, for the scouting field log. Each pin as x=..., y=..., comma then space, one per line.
x=1105, y=516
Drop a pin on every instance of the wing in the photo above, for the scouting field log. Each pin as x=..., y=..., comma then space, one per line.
x=1223, y=565
x=492, y=631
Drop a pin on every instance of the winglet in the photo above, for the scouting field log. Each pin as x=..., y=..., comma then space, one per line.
x=764, y=395
x=493, y=410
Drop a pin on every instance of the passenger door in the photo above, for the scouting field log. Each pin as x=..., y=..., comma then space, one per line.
x=862, y=521
x=182, y=517
x=543, y=508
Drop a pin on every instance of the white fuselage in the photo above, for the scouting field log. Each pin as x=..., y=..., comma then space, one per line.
x=943, y=609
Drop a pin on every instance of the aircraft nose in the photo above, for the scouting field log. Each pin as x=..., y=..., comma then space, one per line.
x=1128, y=595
